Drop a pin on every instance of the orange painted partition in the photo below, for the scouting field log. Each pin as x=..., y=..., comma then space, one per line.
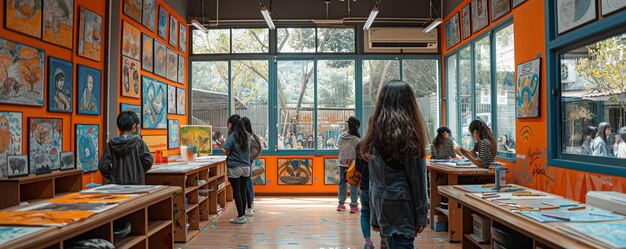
x=531, y=168
x=271, y=186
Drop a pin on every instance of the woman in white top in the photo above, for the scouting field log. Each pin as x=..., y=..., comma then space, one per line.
x=620, y=152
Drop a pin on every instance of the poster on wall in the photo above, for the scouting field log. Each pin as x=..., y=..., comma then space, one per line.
x=23, y=16
x=148, y=14
x=58, y=22
x=480, y=15
x=172, y=65
x=295, y=172
x=499, y=8
x=258, y=172
x=132, y=8
x=181, y=69
x=173, y=134
x=131, y=41
x=87, y=147
x=331, y=171
x=173, y=31
x=527, y=96
x=11, y=140
x=171, y=99
x=60, y=85
x=22, y=80
x=181, y=103
x=147, y=53
x=466, y=29
x=154, y=104
x=199, y=136
x=162, y=23
x=89, y=35
x=155, y=142
x=89, y=86
x=160, y=59
x=574, y=13
x=134, y=108
x=610, y=6
x=453, y=36
x=45, y=143
x=517, y=2
x=182, y=38
x=130, y=78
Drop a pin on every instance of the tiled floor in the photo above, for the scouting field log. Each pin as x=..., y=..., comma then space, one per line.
x=303, y=222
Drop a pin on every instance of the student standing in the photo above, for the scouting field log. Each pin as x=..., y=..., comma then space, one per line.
x=347, y=143
x=621, y=147
x=364, y=196
x=443, y=146
x=394, y=147
x=237, y=151
x=599, y=146
x=588, y=135
x=484, y=151
x=255, y=151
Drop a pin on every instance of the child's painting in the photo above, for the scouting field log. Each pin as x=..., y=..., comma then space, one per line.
x=90, y=35
x=182, y=37
x=87, y=147
x=154, y=104
x=23, y=16
x=136, y=109
x=17, y=166
x=60, y=85
x=130, y=78
x=499, y=8
x=131, y=41
x=173, y=134
x=22, y=80
x=160, y=59
x=181, y=69
x=181, y=103
x=466, y=29
x=155, y=142
x=198, y=136
x=610, y=6
x=453, y=35
x=480, y=15
x=58, y=22
x=148, y=15
x=10, y=139
x=67, y=160
x=8, y=234
x=331, y=171
x=42, y=218
x=527, y=96
x=132, y=8
x=172, y=63
x=574, y=13
x=171, y=99
x=147, y=53
x=45, y=143
x=173, y=31
x=89, y=87
x=162, y=24
x=295, y=172
x=258, y=172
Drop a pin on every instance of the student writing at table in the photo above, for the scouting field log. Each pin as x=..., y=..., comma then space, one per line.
x=443, y=146
x=484, y=151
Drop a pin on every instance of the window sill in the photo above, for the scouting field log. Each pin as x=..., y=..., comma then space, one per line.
x=599, y=165
x=506, y=156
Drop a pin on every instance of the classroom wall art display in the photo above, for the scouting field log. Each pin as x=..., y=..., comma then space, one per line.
x=22, y=82
x=331, y=171
x=24, y=16
x=148, y=15
x=173, y=31
x=147, y=53
x=453, y=35
x=89, y=88
x=136, y=109
x=45, y=143
x=132, y=8
x=181, y=104
x=295, y=172
x=172, y=64
x=9, y=233
x=480, y=15
x=199, y=136
x=130, y=78
x=499, y=8
x=160, y=59
x=67, y=160
x=574, y=13
x=17, y=166
x=527, y=96
x=171, y=99
x=90, y=35
x=131, y=41
x=162, y=23
x=610, y=6
x=466, y=28
x=173, y=134
x=182, y=37
x=60, y=85
x=58, y=22
x=516, y=3
x=258, y=172
x=154, y=104
x=10, y=138
x=181, y=69
x=87, y=147
x=155, y=142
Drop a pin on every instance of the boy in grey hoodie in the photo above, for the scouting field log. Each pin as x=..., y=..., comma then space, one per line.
x=347, y=144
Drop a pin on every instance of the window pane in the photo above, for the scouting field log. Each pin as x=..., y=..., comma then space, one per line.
x=209, y=81
x=452, y=100
x=465, y=95
x=216, y=41
x=251, y=41
x=335, y=40
x=250, y=94
x=296, y=40
x=295, y=103
x=482, y=57
x=592, y=79
x=376, y=73
x=423, y=76
x=335, y=101
x=505, y=89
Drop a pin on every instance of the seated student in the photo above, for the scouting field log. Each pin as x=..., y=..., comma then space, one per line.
x=621, y=147
x=126, y=158
x=484, y=151
x=443, y=146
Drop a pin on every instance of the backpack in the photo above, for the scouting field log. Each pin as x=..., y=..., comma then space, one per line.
x=353, y=176
x=255, y=148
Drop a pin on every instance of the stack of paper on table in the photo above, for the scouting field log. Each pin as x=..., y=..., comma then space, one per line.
x=42, y=218
x=588, y=215
x=610, y=235
x=123, y=189
x=8, y=233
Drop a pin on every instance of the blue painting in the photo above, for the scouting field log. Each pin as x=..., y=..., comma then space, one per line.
x=258, y=172
x=173, y=134
x=10, y=138
x=162, y=28
x=89, y=87
x=171, y=99
x=45, y=144
x=134, y=108
x=87, y=147
x=527, y=96
x=8, y=233
x=154, y=104
x=21, y=82
x=61, y=86
x=149, y=14
x=453, y=35
x=181, y=103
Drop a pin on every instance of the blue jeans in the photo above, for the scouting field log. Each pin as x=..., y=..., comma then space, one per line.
x=250, y=196
x=354, y=191
x=399, y=241
x=365, y=213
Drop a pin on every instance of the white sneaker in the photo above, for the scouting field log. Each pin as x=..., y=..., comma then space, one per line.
x=238, y=220
x=250, y=212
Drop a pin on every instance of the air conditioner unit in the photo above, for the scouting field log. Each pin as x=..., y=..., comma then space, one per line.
x=398, y=40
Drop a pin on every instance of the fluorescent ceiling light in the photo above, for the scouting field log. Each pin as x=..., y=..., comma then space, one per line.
x=432, y=25
x=199, y=26
x=267, y=17
x=371, y=18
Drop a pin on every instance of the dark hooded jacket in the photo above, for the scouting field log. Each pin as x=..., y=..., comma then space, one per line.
x=126, y=159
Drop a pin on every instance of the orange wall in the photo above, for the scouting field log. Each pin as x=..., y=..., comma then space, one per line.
x=271, y=177
x=531, y=168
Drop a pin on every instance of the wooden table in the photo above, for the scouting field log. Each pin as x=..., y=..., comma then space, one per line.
x=544, y=235
x=34, y=188
x=150, y=216
x=441, y=175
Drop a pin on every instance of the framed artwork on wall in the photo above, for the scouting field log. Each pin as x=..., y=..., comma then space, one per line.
x=154, y=104
x=162, y=23
x=574, y=13
x=173, y=31
x=155, y=142
x=147, y=53
x=181, y=69
x=466, y=27
x=130, y=78
x=200, y=136
x=173, y=134
x=11, y=127
x=58, y=22
x=453, y=35
x=41, y=164
x=258, y=172
x=499, y=8
x=331, y=171
x=171, y=99
x=67, y=160
x=528, y=89
x=132, y=8
x=60, y=85
x=45, y=143
x=17, y=166
x=480, y=15
x=610, y=6
x=26, y=81
x=295, y=171
x=148, y=14
x=131, y=41
x=134, y=108
x=87, y=147
x=182, y=38
x=181, y=102
x=89, y=35
x=23, y=17
x=172, y=65
x=89, y=88
x=160, y=59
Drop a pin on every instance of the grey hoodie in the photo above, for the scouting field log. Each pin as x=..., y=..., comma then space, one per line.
x=128, y=163
x=347, y=145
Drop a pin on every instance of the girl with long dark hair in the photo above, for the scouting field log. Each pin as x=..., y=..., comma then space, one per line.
x=443, y=146
x=600, y=145
x=255, y=152
x=347, y=144
x=484, y=151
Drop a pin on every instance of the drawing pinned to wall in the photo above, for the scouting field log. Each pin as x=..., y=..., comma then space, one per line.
x=132, y=8
x=87, y=147
x=23, y=16
x=10, y=138
x=181, y=69
x=181, y=103
x=173, y=134
x=182, y=37
x=574, y=13
x=517, y=2
x=148, y=14
x=610, y=6
x=45, y=143
x=131, y=41
x=258, y=172
x=480, y=15
x=172, y=63
x=8, y=234
x=171, y=99
x=295, y=172
x=160, y=59
x=67, y=160
x=60, y=85
x=136, y=109
x=527, y=95
x=155, y=142
x=58, y=22
x=17, y=165
x=173, y=31
x=154, y=104
x=162, y=24
x=465, y=22
x=22, y=82
x=331, y=171
x=130, y=77
x=89, y=88
x=90, y=35
x=199, y=136
x=147, y=53
x=499, y=8
x=453, y=35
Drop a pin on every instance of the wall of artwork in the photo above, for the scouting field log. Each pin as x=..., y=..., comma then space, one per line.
x=295, y=175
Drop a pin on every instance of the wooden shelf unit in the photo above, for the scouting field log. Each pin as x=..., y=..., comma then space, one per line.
x=33, y=188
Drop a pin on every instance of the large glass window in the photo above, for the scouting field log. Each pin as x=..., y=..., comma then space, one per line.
x=335, y=101
x=452, y=99
x=423, y=76
x=335, y=40
x=295, y=103
x=465, y=95
x=251, y=41
x=482, y=69
x=249, y=96
x=216, y=41
x=209, y=81
x=505, y=89
x=296, y=40
x=376, y=73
